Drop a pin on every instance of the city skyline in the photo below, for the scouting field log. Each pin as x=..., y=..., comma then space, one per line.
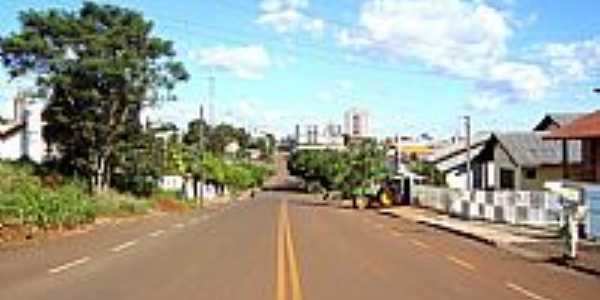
x=278, y=63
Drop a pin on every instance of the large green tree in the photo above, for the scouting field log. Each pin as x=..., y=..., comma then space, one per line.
x=98, y=66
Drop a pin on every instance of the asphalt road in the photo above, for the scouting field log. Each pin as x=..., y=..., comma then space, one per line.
x=279, y=245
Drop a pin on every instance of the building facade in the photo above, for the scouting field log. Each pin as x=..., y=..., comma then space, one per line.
x=357, y=123
x=21, y=136
x=314, y=134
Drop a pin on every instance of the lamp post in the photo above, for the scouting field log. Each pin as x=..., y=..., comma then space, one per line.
x=467, y=120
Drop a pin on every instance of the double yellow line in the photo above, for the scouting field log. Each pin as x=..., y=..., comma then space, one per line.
x=285, y=242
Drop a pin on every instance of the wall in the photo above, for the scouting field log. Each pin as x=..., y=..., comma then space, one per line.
x=171, y=183
x=456, y=180
x=10, y=148
x=34, y=146
x=503, y=161
x=543, y=174
x=523, y=208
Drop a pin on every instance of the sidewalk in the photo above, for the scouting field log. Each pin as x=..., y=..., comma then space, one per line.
x=536, y=244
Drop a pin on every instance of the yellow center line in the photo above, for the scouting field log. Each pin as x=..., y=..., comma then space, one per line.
x=292, y=260
x=285, y=247
x=280, y=257
x=461, y=262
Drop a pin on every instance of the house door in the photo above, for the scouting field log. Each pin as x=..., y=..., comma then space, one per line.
x=406, y=191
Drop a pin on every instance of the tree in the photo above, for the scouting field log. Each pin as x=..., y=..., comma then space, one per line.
x=353, y=171
x=177, y=157
x=139, y=163
x=98, y=66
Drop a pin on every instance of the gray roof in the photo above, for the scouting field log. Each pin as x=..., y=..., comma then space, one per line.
x=529, y=150
x=565, y=118
x=459, y=159
x=559, y=118
x=455, y=149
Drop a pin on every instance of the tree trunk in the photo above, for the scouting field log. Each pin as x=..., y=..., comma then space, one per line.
x=99, y=178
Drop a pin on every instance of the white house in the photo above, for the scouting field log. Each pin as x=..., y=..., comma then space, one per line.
x=22, y=135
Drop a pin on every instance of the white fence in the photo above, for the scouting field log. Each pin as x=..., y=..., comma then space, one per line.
x=535, y=208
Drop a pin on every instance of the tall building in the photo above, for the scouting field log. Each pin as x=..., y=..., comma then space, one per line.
x=313, y=134
x=356, y=122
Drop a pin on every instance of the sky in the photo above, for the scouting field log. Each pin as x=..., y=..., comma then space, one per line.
x=416, y=65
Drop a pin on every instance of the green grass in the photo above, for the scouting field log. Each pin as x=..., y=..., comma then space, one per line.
x=116, y=204
x=25, y=201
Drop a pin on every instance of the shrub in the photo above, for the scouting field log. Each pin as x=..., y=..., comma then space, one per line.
x=112, y=203
x=23, y=198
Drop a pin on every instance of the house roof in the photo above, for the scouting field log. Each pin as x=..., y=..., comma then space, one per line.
x=7, y=130
x=528, y=149
x=458, y=159
x=585, y=127
x=456, y=148
x=561, y=119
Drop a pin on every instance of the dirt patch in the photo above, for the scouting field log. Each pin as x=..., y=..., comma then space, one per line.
x=171, y=205
x=15, y=234
x=588, y=254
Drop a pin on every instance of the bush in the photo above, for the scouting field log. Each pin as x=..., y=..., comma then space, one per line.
x=112, y=203
x=25, y=200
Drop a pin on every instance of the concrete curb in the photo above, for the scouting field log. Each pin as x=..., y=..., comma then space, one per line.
x=469, y=235
x=490, y=241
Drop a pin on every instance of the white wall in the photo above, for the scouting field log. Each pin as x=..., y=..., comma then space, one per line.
x=10, y=148
x=34, y=145
x=171, y=183
x=456, y=180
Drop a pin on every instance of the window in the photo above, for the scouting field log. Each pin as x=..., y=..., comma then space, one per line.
x=507, y=179
x=530, y=173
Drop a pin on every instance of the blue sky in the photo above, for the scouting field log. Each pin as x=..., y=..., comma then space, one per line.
x=417, y=65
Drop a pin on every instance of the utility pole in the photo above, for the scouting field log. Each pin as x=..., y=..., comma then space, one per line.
x=468, y=148
x=200, y=201
x=396, y=154
x=211, y=98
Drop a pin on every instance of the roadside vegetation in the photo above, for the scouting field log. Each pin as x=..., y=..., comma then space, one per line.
x=96, y=68
x=353, y=172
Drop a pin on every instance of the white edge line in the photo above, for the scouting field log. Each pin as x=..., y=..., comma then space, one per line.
x=69, y=265
x=460, y=262
x=420, y=244
x=156, y=233
x=178, y=225
x=123, y=246
x=524, y=291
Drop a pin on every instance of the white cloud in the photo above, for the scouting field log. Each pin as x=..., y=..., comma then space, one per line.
x=247, y=62
x=569, y=62
x=458, y=38
x=287, y=16
x=9, y=90
x=339, y=93
x=486, y=103
x=254, y=114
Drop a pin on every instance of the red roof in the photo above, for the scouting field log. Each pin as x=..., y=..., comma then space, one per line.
x=585, y=127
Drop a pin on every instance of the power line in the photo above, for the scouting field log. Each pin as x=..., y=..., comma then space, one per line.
x=309, y=49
